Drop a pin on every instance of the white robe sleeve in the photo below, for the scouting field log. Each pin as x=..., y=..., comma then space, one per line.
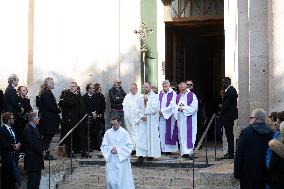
x=124, y=151
x=125, y=105
x=192, y=108
x=106, y=148
x=153, y=105
x=168, y=111
x=139, y=110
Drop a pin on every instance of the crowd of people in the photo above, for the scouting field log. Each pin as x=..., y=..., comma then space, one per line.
x=145, y=125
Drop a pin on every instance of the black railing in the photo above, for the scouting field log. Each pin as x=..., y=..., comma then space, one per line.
x=71, y=146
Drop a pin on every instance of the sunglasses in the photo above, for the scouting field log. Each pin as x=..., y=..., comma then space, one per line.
x=189, y=84
x=251, y=117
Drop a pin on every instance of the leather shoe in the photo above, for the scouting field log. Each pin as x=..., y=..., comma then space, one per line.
x=139, y=160
x=228, y=156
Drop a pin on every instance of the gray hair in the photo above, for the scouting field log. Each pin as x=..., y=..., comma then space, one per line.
x=259, y=114
x=32, y=116
x=182, y=83
x=12, y=78
x=166, y=82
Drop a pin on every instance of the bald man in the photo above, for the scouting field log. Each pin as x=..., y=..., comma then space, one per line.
x=185, y=112
x=116, y=97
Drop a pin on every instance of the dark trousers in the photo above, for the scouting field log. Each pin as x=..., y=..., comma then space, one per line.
x=46, y=141
x=228, y=125
x=8, y=180
x=33, y=179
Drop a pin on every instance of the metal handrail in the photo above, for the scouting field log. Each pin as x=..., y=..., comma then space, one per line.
x=205, y=132
x=67, y=134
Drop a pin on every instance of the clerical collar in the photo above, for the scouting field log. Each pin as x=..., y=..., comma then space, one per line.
x=169, y=91
x=90, y=94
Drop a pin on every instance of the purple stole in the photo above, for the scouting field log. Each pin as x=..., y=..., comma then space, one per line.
x=170, y=138
x=189, y=119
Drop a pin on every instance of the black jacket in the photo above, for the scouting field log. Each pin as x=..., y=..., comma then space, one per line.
x=33, y=149
x=249, y=166
x=7, y=147
x=100, y=103
x=2, y=102
x=116, y=97
x=90, y=103
x=11, y=100
x=276, y=165
x=49, y=115
x=229, y=110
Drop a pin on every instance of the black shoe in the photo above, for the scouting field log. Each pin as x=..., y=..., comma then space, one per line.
x=168, y=153
x=133, y=152
x=49, y=157
x=228, y=156
x=150, y=158
x=185, y=155
x=139, y=160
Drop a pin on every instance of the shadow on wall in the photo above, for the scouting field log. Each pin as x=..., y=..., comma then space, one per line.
x=128, y=66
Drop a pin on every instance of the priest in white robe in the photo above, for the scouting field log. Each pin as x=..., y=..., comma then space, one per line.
x=116, y=149
x=148, y=141
x=185, y=112
x=130, y=107
x=167, y=126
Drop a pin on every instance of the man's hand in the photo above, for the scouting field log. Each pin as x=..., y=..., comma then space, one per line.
x=145, y=97
x=113, y=150
x=180, y=109
x=94, y=115
x=144, y=118
x=17, y=146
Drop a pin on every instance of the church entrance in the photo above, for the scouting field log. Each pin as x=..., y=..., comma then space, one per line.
x=195, y=51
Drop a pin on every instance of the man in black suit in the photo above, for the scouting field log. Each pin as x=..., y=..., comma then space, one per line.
x=33, y=152
x=229, y=113
x=91, y=110
x=10, y=177
x=11, y=97
x=49, y=116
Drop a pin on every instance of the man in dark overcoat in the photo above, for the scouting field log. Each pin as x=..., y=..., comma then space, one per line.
x=249, y=165
x=33, y=160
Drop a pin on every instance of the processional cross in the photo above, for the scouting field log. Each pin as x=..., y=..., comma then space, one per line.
x=143, y=33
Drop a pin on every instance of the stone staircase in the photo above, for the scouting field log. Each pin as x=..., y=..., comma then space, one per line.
x=144, y=178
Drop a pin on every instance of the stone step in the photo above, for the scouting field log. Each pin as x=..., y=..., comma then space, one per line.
x=219, y=176
x=103, y=186
x=142, y=177
x=162, y=171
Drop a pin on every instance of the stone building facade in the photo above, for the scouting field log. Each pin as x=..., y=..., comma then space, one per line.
x=93, y=41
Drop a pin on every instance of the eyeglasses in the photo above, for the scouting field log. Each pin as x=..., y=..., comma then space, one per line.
x=189, y=84
x=251, y=117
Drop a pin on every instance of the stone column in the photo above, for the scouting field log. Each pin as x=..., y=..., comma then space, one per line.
x=276, y=55
x=243, y=63
x=258, y=49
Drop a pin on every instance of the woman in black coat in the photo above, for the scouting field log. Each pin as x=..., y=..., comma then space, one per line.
x=21, y=117
x=49, y=115
x=276, y=165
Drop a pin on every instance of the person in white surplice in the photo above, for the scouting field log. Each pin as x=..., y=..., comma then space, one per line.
x=185, y=112
x=148, y=141
x=116, y=149
x=130, y=107
x=167, y=126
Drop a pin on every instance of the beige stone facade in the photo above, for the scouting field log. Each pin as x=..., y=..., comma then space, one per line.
x=94, y=41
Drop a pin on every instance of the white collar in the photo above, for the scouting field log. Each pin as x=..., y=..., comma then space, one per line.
x=169, y=91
